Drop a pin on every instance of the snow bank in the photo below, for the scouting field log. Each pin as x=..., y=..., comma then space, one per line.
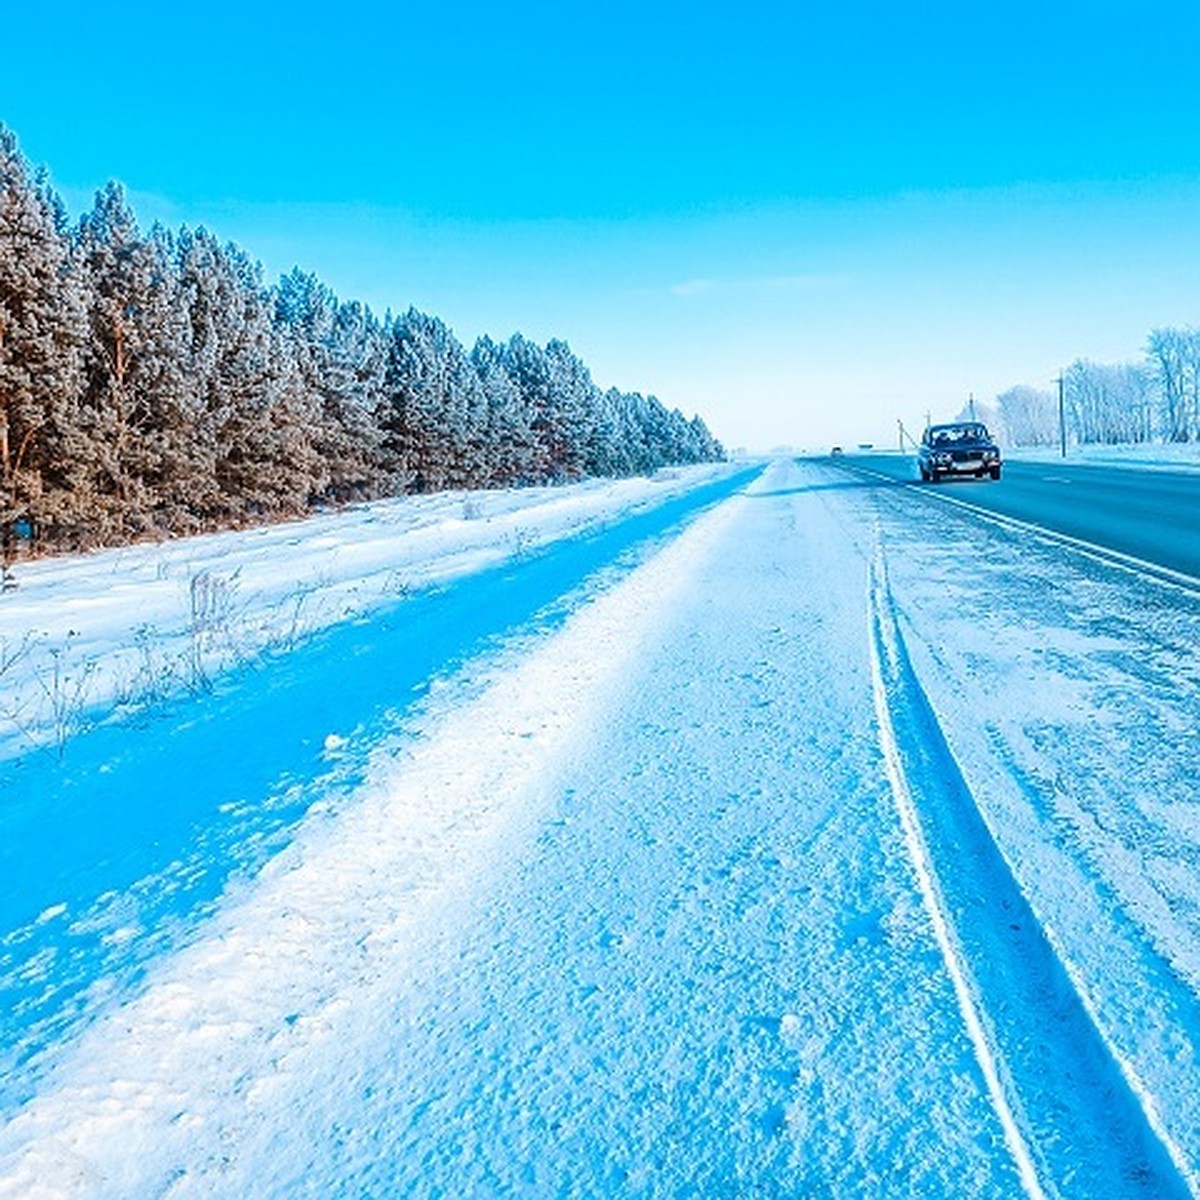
x=83, y=635
x=1155, y=456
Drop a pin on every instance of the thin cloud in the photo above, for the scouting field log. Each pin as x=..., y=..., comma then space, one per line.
x=693, y=287
x=761, y=283
x=792, y=283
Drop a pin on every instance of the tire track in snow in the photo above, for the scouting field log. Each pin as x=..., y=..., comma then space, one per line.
x=1076, y=1119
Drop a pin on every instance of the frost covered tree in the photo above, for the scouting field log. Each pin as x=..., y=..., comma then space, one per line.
x=1174, y=357
x=571, y=418
x=138, y=409
x=508, y=436
x=255, y=452
x=434, y=411
x=607, y=453
x=656, y=432
x=340, y=354
x=648, y=436
x=42, y=335
x=525, y=364
x=704, y=447
x=117, y=280
x=559, y=395
x=1028, y=416
x=1111, y=404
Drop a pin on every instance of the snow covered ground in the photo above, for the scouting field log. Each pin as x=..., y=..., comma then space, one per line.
x=1150, y=456
x=776, y=833
x=81, y=635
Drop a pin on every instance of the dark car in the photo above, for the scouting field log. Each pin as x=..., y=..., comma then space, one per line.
x=962, y=448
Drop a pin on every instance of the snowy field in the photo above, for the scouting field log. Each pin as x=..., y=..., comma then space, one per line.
x=750, y=831
x=1184, y=456
x=83, y=636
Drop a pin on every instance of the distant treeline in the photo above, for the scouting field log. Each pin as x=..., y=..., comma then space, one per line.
x=1156, y=399
x=152, y=383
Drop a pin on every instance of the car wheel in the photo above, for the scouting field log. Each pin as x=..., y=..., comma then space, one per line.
x=924, y=474
x=934, y=476
x=995, y=472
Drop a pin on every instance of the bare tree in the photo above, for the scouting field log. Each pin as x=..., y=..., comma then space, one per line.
x=1174, y=356
x=1110, y=403
x=1028, y=416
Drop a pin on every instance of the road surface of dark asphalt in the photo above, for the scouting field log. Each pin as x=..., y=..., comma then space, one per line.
x=1150, y=514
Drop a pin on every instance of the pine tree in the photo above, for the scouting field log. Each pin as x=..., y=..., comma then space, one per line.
x=266, y=460
x=340, y=352
x=508, y=435
x=138, y=410
x=255, y=448
x=605, y=451
x=42, y=330
x=171, y=406
x=108, y=244
x=434, y=409
x=573, y=412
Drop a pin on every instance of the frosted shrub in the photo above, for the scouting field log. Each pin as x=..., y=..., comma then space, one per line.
x=212, y=601
x=66, y=687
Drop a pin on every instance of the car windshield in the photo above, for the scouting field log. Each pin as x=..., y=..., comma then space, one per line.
x=957, y=435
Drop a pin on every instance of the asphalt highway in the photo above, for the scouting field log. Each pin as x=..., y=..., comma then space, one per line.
x=1150, y=514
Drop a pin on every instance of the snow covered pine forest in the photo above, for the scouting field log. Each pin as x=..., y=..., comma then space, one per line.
x=152, y=384
x=763, y=829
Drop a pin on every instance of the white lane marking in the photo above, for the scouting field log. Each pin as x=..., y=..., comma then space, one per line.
x=1141, y=567
x=1056, y=479
x=934, y=904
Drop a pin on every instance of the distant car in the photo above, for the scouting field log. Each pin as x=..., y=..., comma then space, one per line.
x=836, y=450
x=962, y=448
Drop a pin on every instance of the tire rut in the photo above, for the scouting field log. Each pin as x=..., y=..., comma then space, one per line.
x=1076, y=1119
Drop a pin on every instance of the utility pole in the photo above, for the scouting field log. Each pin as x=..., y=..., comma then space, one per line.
x=1062, y=419
x=971, y=404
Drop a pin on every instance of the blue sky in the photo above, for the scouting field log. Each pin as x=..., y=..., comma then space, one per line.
x=804, y=221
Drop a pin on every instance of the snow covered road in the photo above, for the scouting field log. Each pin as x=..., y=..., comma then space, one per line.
x=777, y=863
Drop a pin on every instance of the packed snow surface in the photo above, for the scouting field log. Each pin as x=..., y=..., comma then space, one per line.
x=765, y=831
